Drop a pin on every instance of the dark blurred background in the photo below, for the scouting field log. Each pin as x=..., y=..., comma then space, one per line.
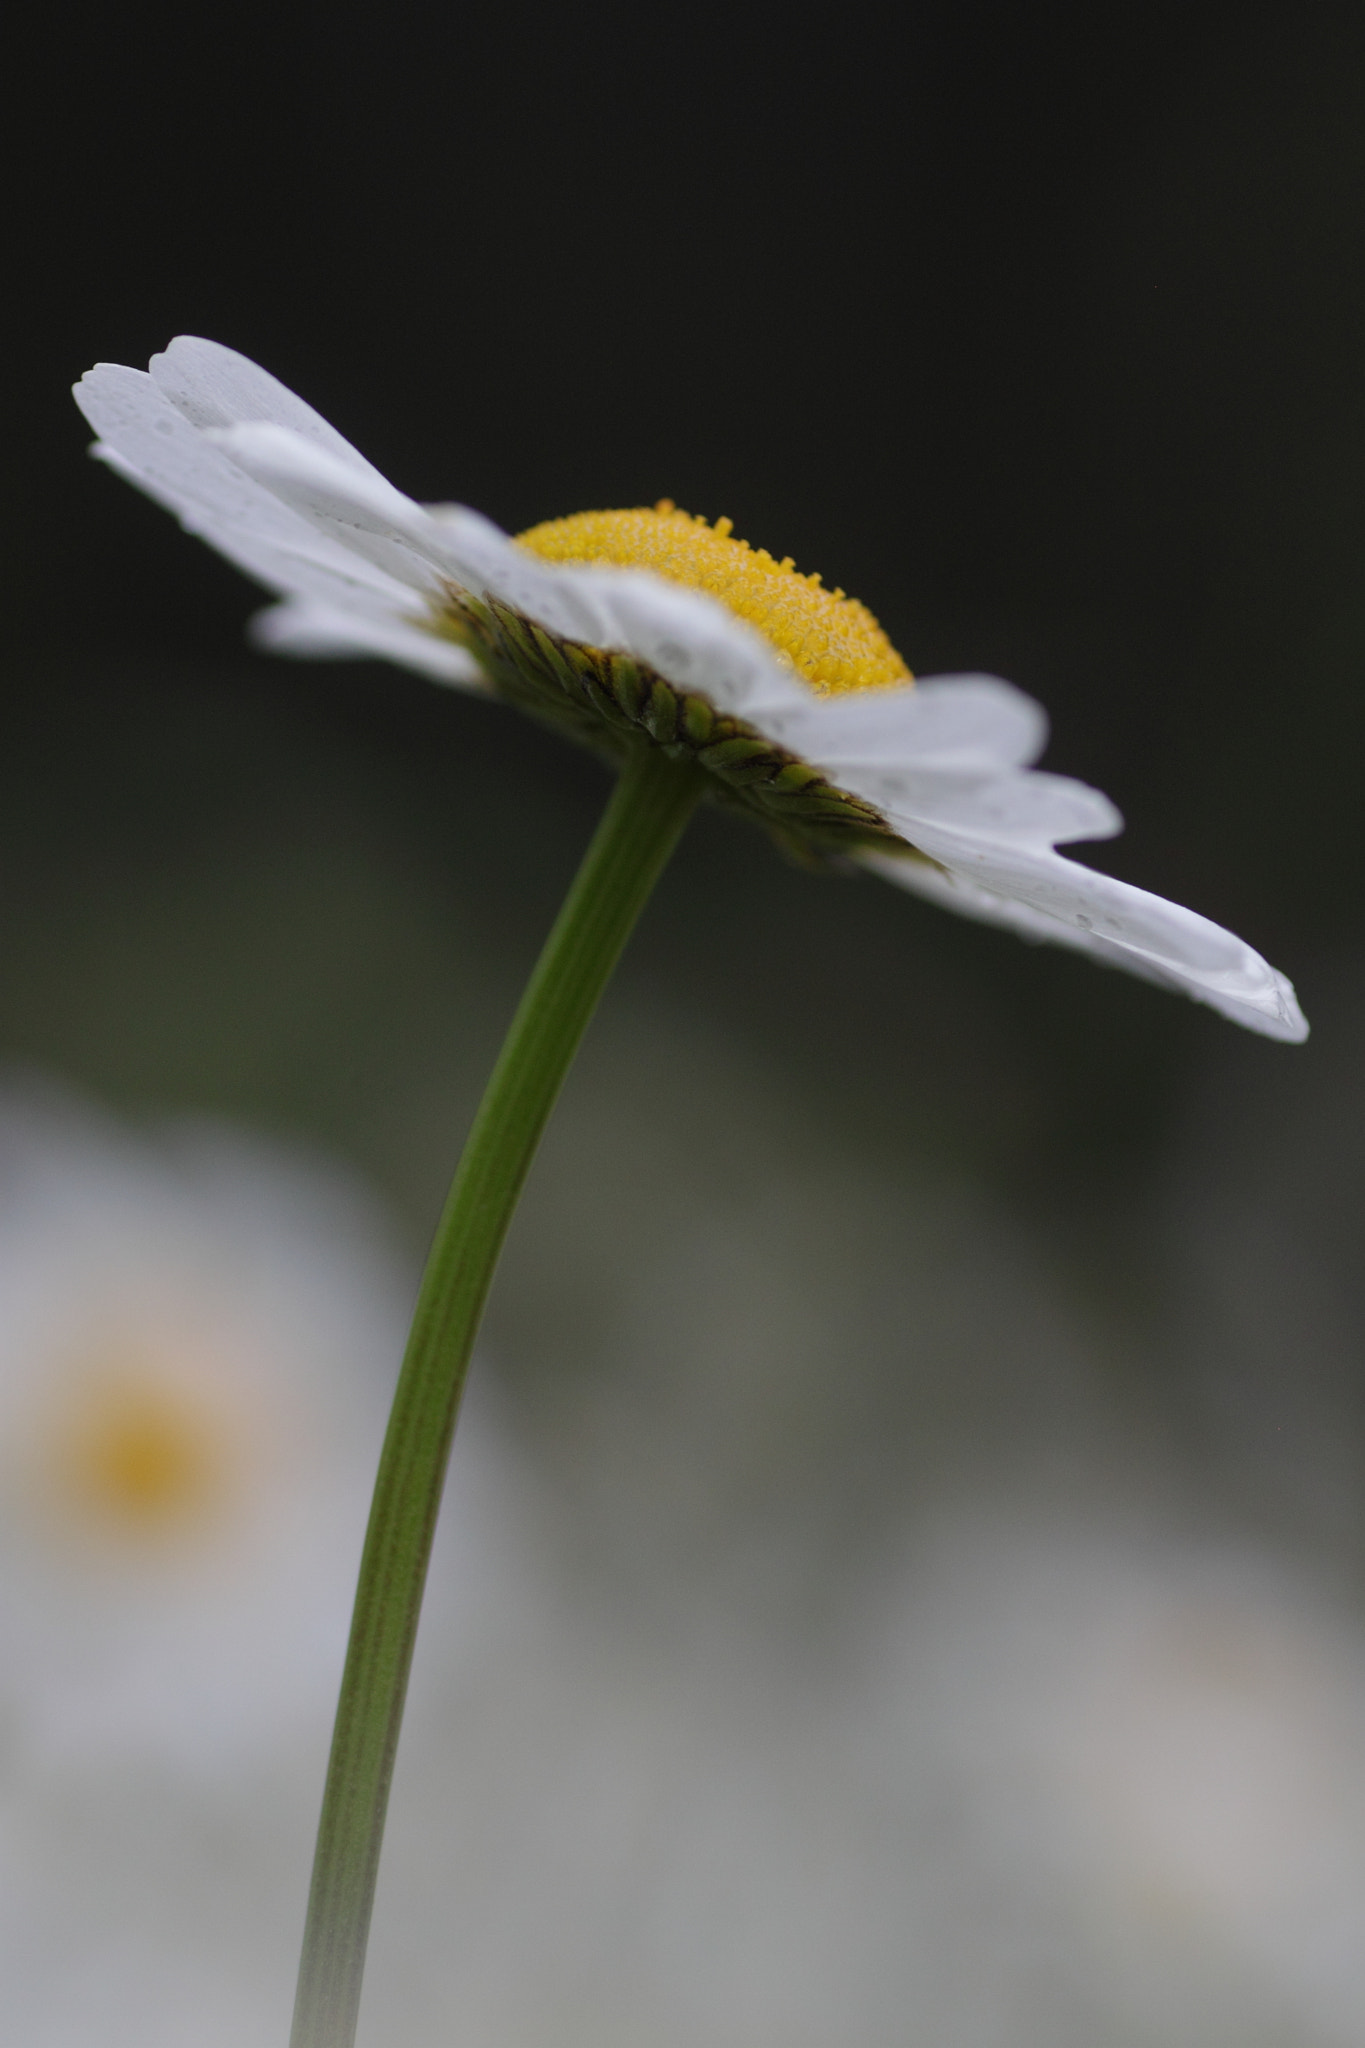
x=1040, y=328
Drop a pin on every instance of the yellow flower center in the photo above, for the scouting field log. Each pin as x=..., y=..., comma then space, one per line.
x=139, y=1453
x=832, y=641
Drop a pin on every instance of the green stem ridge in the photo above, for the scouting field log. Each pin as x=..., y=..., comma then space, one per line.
x=642, y=823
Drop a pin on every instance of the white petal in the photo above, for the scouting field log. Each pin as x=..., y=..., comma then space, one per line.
x=213, y=386
x=157, y=448
x=311, y=568
x=265, y=539
x=945, y=764
x=695, y=643
x=356, y=508
x=1024, y=809
x=951, y=750
x=320, y=631
x=962, y=725
x=1112, y=922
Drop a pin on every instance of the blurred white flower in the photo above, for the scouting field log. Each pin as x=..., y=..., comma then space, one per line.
x=1054, y=1782
x=1157, y=1748
x=197, y=1334
x=648, y=625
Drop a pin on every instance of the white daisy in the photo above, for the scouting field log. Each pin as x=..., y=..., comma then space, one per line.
x=197, y=1333
x=195, y=1341
x=652, y=626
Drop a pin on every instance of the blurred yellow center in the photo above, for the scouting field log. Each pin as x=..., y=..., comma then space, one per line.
x=832, y=641
x=143, y=1454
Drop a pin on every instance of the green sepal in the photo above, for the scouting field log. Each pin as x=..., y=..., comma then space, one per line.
x=611, y=701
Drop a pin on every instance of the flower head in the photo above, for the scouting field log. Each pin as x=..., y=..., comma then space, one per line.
x=196, y=1335
x=193, y=1341
x=652, y=628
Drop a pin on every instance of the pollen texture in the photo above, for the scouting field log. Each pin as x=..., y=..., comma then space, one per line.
x=832, y=641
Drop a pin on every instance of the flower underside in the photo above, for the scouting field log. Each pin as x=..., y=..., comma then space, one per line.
x=613, y=702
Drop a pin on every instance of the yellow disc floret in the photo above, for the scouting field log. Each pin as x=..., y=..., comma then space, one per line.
x=832, y=641
x=141, y=1454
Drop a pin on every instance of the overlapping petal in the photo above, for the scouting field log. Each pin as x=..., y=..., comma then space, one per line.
x=361, y=568
x=152, y=443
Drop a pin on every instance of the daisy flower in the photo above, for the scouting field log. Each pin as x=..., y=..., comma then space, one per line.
x=196, y=1340
x=651, y=626
x=196, y=1337
x=701, y=666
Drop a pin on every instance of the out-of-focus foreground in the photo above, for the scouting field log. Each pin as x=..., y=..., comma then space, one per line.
x=900, y=1578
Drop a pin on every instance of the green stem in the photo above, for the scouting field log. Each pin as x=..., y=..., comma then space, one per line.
x=651, y=804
